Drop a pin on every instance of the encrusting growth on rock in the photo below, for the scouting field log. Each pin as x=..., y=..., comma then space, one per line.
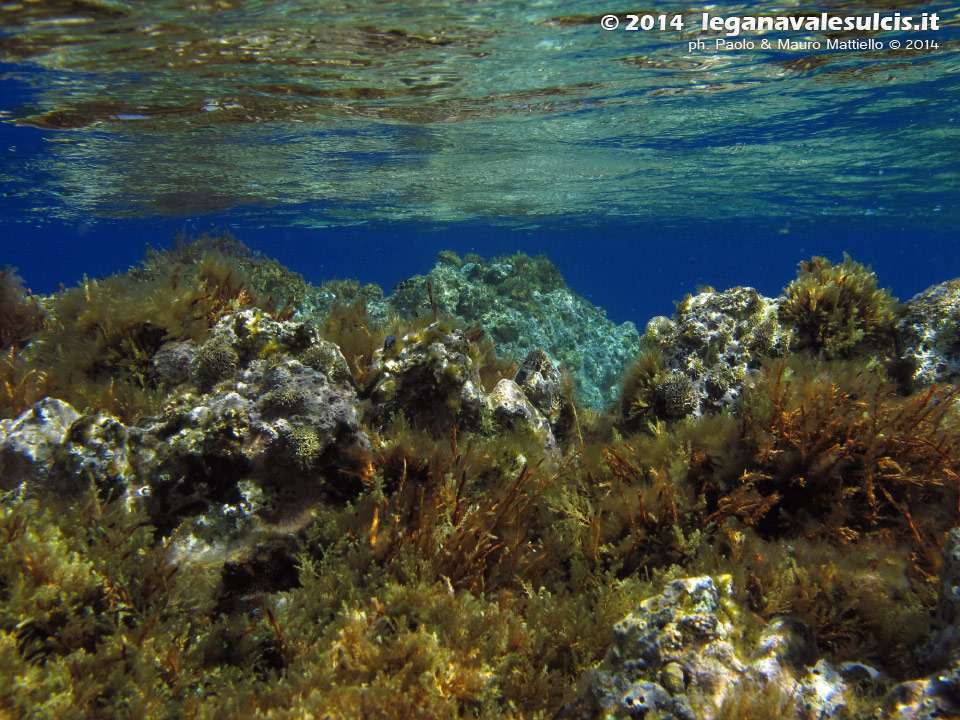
x=350, y=507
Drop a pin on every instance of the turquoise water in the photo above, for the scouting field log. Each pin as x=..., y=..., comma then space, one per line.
x=358, y=138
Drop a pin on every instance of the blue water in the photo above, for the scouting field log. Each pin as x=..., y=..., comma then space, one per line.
x=634, y=272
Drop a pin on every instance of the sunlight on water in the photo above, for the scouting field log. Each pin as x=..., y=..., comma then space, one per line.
x=455, y=110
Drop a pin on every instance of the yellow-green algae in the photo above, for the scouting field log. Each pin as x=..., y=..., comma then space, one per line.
x=838, y=310
x=477, y=575
x=93, y=348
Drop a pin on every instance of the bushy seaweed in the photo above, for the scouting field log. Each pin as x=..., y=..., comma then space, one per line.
x=638, y=389
x=473, y=573
x=846, y=455
x=837, y=311
x=349, y=327
x=97, y=346
x=95, y=621
x=274, y=287
x=21, y=314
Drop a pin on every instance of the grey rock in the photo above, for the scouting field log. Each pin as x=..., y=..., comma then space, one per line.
x=174, y=361
x=929, y=330
x=428, y=376
x=53, y=448
x=681, y=655
x=868, y=680
x=28, y=443
x=930, y=698
x=790, y=641
x=709, y=346
x=540, y=382
x=511, y=408
x=644, y=697
x=521, y=316
x=944, y=642
x=263, y=443
x=101, y=451
x=821, y=693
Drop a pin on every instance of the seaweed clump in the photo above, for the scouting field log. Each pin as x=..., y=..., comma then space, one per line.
x=837, y=311
x=276, y=289
x=96, y=621
x=650, y=392
x=97, y=346
x=845, y=455
x=638, y=389
x=471, y=570
x=827, y=499
x=21, y=314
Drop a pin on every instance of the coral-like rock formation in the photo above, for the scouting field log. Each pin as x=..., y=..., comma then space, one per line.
x=264, y=434
x=930, y=333
x=706, y=350
x=684, y=654
x=524, y=304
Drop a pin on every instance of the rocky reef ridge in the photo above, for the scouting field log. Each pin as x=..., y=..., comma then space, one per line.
x=368, y=509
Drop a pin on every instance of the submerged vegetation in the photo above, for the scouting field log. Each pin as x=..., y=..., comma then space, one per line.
x=453, y=564
x=96, y=346
x=838, y=310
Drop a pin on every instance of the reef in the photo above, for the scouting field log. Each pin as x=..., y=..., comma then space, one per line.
x=691, y=652
x=343, y=506
x=524, y=304
x=929, y=329
x=697, y=361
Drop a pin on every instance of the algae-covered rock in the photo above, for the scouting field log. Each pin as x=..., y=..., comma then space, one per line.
x=705, y=351
x=930, y=333
x=53, y=448
x=511, y=408
x=430, y=376
x=216, y=360
x=28, y=442
x=101, y=451
x=253, y=334
x=258, y=436
x=174, y=361
x=938, y=694
x=684, y=654
x=523, y=304
x=265, y=444
x=944, y=642
x=540, y=382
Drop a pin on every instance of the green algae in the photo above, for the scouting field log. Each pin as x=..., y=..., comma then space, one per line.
x=95, y=346
x=838, y=310
x=474, y=572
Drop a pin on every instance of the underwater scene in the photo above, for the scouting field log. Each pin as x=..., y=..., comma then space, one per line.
x=479, y=359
